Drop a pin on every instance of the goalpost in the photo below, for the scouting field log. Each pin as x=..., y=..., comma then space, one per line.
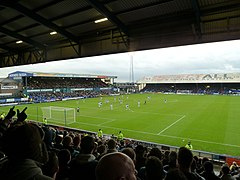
x=57, y=114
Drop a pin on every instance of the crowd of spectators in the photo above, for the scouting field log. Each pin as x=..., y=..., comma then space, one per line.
x=36, y=151
x=195, y=88
x=55, y=96
x=45, y=83
x=45, y=89
x=48, y=96
x=61, y=88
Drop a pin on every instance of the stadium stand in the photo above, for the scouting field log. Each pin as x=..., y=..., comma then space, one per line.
x=22, y=87
x=42, y=83
x=211, y=88
x=22, y=134
x=193, y=84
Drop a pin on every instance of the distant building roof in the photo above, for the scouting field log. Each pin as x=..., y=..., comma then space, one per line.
x=43, y=74
x=6, y=80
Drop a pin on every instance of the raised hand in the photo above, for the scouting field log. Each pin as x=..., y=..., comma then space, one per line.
x=10, y=114
x=21, y=116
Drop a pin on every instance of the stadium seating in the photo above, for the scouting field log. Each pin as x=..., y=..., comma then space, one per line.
x=42, y=83
x=199, y=88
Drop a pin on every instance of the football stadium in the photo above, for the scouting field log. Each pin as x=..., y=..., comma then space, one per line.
x=170, y=110
x=69, y=124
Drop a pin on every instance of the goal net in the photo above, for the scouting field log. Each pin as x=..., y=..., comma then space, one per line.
x=57, y=114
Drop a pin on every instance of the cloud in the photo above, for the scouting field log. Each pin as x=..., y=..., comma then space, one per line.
x=220, y=57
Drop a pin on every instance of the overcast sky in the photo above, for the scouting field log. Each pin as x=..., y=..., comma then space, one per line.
x=221, y=57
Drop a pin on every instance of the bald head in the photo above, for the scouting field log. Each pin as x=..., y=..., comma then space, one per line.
x=115, y=166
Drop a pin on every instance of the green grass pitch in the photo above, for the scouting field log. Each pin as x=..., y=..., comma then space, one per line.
x=211, y=122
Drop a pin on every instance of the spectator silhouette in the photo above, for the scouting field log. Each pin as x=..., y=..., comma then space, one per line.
x=165, y=160
x=131, y=153
x=64, y=158
x=154, y=152
x=225, y=170
x=194, y=168
x=115, y=166
x=111, y=146
x=234, y=169
x=84, y=164
x=154, y=168
x=185, y=158
x=26, y=152
x=172, y=163
x=208, y=172
x=175, y=174
x=68, y=144
x=48, y=138
x=51, y=167
x=140, y=156
x=101, y=150
x=76, y=142
x=58, y=142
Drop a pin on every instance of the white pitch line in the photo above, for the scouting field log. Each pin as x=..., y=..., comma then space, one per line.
x=110, y=119
x=171, y=125
x=142, y=132
x=106, y=122
x=145, y=112
x=97, y=117
x=174, y=137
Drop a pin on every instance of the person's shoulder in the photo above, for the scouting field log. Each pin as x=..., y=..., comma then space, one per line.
x=198, y=177
x=42, y=177
x=211, y=176
x=194, y=176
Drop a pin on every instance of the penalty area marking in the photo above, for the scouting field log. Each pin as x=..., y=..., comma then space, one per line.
x=171, y=125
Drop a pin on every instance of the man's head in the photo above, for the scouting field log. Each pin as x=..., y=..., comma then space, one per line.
x=154, y=168
x=87, y=145
x=115, y=166
x=185, y=158
x=225, y=169
x=130, y=152
x=208, y=166
x=111, y=144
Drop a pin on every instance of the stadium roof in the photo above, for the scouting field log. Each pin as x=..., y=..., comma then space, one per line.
x=17, y=74
x=25, y=27
x=194, y=78
x=6, y=80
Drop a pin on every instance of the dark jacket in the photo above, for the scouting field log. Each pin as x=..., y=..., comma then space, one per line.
x=22, y=170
